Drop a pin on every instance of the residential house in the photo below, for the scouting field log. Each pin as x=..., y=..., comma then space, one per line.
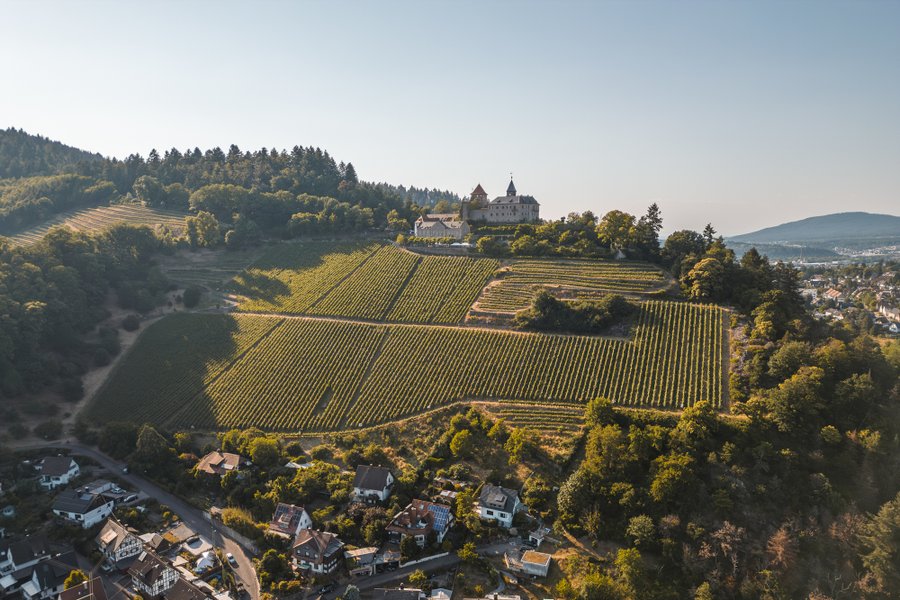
x=421, y=520
x=498, y=504
x=361, y=561
x=372, y=483
x=57, y=471
x=289, y=520
x=530, y=562
x=49, y=576
x=18, y=558
x=317, y=551
x=185, y=590
x=151, y=576
x=91, y=589
x=116, y=543
x=401, y=593
x=82, y=508
x=219, y=463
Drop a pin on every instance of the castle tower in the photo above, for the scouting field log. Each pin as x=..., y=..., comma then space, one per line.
x=511, y=190
x=479, y=196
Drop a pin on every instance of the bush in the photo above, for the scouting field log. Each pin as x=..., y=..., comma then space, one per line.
x=72, y=389
x=101, y=357
x=131, y=323
x=548, y=313
x=192, y=296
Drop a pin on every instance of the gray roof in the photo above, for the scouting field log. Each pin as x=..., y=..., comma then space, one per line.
x=54, y=466
x=397, y=594
x=25, y=550
x=148, y=568
x=496, y=497
x=75, y=501
x=87, y=590
x=514, y=200
x=369, y=477
x=52, y=573
x=316, y=546
x=184, y=590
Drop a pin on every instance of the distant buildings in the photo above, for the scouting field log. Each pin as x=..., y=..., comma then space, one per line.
x=511, y=208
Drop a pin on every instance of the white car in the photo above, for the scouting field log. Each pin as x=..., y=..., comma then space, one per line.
x=231, y=560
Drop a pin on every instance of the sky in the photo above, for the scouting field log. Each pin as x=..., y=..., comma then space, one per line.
x=742, y=114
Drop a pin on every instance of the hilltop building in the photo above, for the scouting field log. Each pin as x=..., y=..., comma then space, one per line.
x=511, y=208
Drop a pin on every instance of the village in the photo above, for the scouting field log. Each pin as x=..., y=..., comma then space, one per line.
x=105, y=539
x=866, y=296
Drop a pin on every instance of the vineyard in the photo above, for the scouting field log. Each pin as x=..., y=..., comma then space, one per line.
x=362, y=281
x=579, y=279
x=100, y=217
x=291, y=374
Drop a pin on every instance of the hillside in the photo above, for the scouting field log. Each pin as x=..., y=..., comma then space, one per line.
x=826, y=228
x=359, y=334
x=26, y=155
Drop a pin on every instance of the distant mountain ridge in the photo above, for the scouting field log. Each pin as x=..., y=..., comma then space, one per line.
x=826, y=228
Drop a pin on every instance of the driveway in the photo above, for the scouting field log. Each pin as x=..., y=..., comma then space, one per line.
x=192, y=516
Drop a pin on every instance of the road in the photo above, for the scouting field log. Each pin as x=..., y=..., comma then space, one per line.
x=193, y=517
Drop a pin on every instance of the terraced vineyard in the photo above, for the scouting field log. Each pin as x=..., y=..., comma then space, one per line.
x=541, y=417
x=362, y=281
x=574, y=278
x=320, y=375
x=99, y=217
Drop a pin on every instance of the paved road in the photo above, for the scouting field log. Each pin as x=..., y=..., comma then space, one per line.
x=193, y=517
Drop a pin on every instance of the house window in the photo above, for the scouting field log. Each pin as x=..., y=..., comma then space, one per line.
x=490, y=513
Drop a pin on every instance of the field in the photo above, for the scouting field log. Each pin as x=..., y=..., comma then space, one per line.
x=362, y=281
x=583, y=279
x=313, y=374
x=99, y=217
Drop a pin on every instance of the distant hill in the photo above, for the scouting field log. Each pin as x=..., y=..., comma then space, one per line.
x=834, y=228
x=26, y=155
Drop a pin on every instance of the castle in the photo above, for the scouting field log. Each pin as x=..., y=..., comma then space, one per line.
x=511, y=208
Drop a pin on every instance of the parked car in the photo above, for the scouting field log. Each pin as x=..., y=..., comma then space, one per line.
x=231, y=560
x=130, y=498
x=106, y=567
x=328, y=587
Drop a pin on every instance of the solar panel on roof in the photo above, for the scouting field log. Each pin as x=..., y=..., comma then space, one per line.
x=441, y=516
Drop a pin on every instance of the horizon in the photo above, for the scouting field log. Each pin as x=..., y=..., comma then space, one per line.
x=729, y=114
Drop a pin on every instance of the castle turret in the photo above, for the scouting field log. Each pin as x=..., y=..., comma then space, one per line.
x=511, y=190
x=479, y=196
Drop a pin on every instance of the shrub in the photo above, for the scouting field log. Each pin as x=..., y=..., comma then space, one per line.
x=192, y=296
x=101, y=357
x=131, y=323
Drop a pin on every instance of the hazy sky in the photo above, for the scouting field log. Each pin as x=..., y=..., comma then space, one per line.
x=742, y=114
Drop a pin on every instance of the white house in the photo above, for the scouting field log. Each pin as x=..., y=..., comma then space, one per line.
x=57, y=471
x=82, y=508
x=498, y=504
x=317, y=551
x=116, y=543
x=372, y=483
x=529, y=562
x=441, y=226
x=289, y=520
x=151, y=576
x=16, y=558
x=48, y=577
